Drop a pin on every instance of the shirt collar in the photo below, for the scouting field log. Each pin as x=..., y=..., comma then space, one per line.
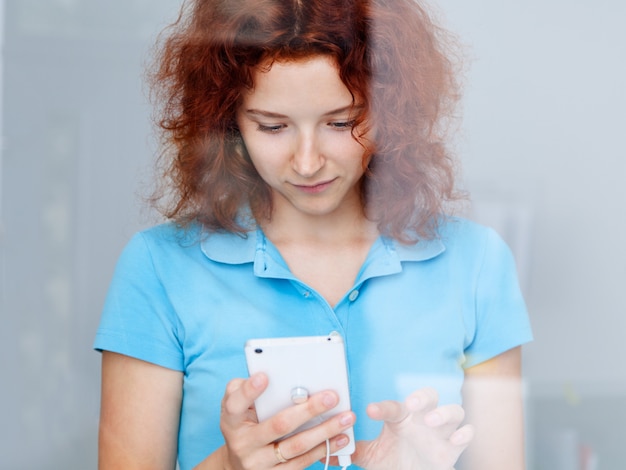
x=240, y=249
x=420, y=251
x=229, y=248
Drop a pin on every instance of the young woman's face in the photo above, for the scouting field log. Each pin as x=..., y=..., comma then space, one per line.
x=296, y=124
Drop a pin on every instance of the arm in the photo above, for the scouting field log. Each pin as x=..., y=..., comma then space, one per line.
x=493, y=402
x=139, y=420
x=139, y=414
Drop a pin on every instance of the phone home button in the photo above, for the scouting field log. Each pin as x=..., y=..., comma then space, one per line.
x=299, y=395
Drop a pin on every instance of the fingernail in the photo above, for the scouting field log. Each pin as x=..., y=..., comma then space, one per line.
x=342, y=441
x=345, y=420
x=257, y=381
x=329, y=400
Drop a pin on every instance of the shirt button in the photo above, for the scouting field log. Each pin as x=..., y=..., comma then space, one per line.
x=307, y=294
x=353, y=295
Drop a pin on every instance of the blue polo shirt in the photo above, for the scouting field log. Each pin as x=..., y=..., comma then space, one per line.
x=417, y=315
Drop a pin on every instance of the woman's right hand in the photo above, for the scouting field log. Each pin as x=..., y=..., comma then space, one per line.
x=250, y=444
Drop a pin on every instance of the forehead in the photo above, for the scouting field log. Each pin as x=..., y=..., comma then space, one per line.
x=311, y=82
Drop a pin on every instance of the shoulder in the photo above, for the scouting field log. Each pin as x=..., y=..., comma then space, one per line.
x=170, y=233
x=455, y=237
x=477, y=247
x=462, y=249
x=462, y=236
x=158, y=245
x=168, y=237
x=459, y=230
x=169, y=241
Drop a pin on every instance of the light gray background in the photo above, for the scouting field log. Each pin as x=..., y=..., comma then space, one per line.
x=542, y=147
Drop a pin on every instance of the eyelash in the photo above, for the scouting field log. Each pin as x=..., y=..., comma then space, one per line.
x=340, y=126
x=270, y=129
x=345, y=125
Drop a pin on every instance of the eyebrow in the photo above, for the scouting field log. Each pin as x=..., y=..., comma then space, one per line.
x=333, y=112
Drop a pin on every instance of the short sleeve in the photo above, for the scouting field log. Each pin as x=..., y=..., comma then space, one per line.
x=138, y=320
x=501, y=317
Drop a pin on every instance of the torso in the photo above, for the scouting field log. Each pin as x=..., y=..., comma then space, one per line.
x=415, y=317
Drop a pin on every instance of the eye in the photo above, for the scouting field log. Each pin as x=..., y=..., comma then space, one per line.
x=270, y=129
x=342, y=125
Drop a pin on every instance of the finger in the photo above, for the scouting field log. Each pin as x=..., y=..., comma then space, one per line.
x=234, y=385
x=419, y=402
x=422, y=400
x=318, y=453
x=390, y=411
x=445, y=415
x=304, y=441
x=290, y=419
x=463, y=436
x=457, y=443
x=240, y=395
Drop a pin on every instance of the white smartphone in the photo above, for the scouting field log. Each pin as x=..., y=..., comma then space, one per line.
x=298, y=367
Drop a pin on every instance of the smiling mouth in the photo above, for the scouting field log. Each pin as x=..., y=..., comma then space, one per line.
x=314, y=188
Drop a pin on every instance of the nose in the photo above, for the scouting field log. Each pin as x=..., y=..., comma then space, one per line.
x=307, y=159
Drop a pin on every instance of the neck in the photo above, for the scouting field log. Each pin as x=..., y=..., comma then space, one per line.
x=325, y=252
x=339, y=227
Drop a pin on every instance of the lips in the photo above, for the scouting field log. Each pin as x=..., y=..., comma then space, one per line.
x=314, y=188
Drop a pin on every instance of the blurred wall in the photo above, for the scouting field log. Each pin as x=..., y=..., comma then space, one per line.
x=77, y=151
x=542, y=151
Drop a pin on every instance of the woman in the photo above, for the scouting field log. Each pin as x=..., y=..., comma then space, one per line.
x=307, y=181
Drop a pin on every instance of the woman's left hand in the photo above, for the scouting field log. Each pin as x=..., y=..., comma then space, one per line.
x=416, y=435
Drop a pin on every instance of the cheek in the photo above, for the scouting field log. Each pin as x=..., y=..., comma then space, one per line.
x=254, y=148
x=263, y=161
x=356, y=156
x=266, y=152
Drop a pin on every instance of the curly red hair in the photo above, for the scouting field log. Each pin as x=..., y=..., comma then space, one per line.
x=389, y=54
